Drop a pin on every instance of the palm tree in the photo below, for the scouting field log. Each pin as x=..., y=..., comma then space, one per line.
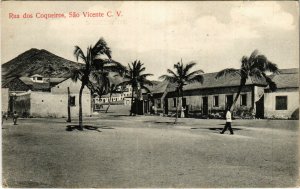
x=182, y=76
x=92, y=61
x=256, y=66
x=135, y=77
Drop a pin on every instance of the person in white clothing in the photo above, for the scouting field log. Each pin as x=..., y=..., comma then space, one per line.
x=182, y=112
x=228, y=122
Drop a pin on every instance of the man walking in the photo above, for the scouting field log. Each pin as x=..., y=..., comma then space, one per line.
x=228, y=122
x=15, y=117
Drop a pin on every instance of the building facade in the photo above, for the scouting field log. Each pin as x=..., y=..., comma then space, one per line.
x=210, y=98
x=284, y=102
x=53, y=103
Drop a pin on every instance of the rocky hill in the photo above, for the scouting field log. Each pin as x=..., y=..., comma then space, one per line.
x=35, y=61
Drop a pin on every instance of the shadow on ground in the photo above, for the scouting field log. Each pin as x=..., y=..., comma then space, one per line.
x=124, y=115
x=164, y=122
x=217, y=129
x=87, y=127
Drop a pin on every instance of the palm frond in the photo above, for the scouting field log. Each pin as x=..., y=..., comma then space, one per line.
x=196, y=79
x=272, y=84
x=146, y=88
x=115, y=68
x=78, y=53
x=147, y=82
x=76, y=74
x=253, y=56
x=101, y=48
x=145, y=75
x=168, y=78
x=256, y=72
x=197, y=72
x=99, y=64
x=188, y=67
x=271, y=67
x=124, y=83
x=227, y=71
x=172, y=73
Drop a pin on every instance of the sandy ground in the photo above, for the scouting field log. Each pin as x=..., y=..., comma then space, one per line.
x=149, y=151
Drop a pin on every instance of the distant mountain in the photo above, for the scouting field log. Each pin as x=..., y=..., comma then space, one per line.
x=35, y=61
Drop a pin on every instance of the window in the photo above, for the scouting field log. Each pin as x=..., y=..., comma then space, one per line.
x=174, y=102
x=216, y=101
x=72, y=101
x=281, y=102
x=158, y=103
x=39, y=78
x=243, y=100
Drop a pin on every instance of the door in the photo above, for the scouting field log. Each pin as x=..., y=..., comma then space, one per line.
x=186, y=107
x=205, y=105
x=229, y=101
x=260, y=108
x=184, y=102
x=166, y=106
x=145, y=106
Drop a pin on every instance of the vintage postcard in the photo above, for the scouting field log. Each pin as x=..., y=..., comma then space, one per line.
x=158, y=94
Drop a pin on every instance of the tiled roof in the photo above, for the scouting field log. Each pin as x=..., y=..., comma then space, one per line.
x=26, y=80
x=57, y=80
x=287, y=78
x=54, y=80
x=41, y=86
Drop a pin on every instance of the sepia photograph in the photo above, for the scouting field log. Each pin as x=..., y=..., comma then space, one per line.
x=150, y=94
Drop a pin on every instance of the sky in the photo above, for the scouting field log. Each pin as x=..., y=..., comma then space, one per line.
x=215, y=35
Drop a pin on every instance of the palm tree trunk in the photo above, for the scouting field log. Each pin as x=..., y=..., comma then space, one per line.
x=177, y=102
x=80, y=107
x=109, y=99
x=181, y=101
x=131, y=109
x=242, y=84
x=137, y=104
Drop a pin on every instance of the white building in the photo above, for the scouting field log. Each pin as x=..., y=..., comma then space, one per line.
x=284, y=102
x=55, y=102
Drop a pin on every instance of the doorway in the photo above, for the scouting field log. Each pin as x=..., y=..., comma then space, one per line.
x=229, y=101
x=166, y=106
x=260, y=108
x=205, y=105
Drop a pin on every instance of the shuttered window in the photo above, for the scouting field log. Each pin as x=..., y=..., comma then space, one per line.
x=281, y=102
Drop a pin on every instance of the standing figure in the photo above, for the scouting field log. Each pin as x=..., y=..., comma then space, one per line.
x=228, y=122
x=15, y=117
x=155, y=110
x=182, y=112
x=4, y=116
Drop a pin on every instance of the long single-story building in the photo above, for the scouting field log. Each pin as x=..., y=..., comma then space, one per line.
x=210, y=98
